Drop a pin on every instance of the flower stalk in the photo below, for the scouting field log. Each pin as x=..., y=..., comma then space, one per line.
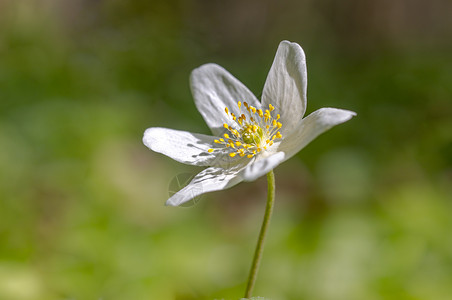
x=263, y=233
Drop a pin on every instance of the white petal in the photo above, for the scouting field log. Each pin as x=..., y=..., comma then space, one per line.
x=312, y=126
x=213, y=89
x=261, y=167
x=208, y=180
x=182, y=146
x=286, y=84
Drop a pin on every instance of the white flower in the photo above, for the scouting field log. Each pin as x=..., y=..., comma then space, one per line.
x=250, y=138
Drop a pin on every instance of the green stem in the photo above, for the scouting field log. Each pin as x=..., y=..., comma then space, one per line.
x=260, y=242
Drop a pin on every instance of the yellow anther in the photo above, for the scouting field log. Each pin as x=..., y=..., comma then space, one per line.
x=250, y=135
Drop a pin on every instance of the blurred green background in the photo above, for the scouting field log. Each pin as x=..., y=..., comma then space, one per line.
x=364, y=212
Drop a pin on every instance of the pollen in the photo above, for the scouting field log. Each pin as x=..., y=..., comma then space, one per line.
x=249, y=132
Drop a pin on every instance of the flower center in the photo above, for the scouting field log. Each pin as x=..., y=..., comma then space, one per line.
x=251, y=133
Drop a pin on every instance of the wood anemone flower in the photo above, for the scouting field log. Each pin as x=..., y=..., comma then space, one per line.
x=250, y=138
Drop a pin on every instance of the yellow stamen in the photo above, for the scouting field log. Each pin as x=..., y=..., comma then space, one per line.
x=253, y=131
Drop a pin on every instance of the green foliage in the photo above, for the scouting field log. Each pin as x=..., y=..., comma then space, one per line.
x=364, y=212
